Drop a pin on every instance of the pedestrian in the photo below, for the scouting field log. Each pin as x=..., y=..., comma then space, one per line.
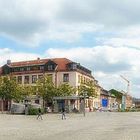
x=39, y=114
x=63, y=113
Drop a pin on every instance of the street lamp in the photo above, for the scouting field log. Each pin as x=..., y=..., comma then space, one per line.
x=124, y=94
x=85, y=94
x=123, y=101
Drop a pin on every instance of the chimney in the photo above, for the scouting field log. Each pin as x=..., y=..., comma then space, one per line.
x=8, y=62
x=38, y=58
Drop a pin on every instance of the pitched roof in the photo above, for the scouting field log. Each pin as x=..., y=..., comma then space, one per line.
x=61, y=63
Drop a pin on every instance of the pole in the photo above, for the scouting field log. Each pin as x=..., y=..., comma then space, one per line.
x=124, y=106
x=84, y=104
x=123, y=102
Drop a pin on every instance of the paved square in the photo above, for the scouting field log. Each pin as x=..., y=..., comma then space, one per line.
x=95, y=126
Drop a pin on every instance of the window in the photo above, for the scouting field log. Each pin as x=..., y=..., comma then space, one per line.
x=26, y=80
x=66, y=77
x=19, y=79
x=41, y=67
x=40, y=76
x=34, y=78
x=28, y=68
x=81, y=79
x=50, y=76
x=15, y=69
x=74, y=66
x=35, y=68
x=21, y=69
x=37, y=101
x=50, y=67
x=84, y=80
x=78, y=78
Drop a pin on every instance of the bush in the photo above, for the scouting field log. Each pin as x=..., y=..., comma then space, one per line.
x=32, y=111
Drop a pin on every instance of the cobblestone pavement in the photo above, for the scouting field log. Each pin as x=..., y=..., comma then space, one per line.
x=95, y=126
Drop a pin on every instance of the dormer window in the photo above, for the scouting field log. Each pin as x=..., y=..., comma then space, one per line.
x=21, y=69
x=50, y=67
x=74, y=66
x=41, y=67
x=28, y=68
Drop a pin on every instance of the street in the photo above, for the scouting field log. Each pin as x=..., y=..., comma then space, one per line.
x=94, y=126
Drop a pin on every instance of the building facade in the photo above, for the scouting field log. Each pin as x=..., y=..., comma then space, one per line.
x=61, y=70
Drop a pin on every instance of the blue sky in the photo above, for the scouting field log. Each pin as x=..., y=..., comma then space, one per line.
x=102, y=35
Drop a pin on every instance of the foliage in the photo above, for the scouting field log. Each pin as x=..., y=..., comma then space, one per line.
x=27, y=91
x=46, y=88
x=34, y=111
x=65, y=90
x=9, y=89
x=116, y=93
x=89, y=88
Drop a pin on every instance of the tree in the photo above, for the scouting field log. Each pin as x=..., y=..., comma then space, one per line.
x=65, y=90
x=116, y=93
x=89, y=88
x=27, y=91
x=9, y=89
x=46, y=88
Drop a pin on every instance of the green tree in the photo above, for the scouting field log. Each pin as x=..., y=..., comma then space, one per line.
x=9, y=89
x=89, y=88
x=116, y=93
x=65, y=90
x=27, y=91
x=46, y=88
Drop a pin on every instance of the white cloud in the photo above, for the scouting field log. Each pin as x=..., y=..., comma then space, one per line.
x=32, y=21
x=26, y=20
x=114, y=23
x=7, y=54
x=107, y=64
x=109, y=13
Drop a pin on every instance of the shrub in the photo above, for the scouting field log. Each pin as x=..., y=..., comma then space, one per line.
x=32, y=111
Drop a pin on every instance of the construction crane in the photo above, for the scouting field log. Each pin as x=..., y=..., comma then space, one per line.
x=128, y=84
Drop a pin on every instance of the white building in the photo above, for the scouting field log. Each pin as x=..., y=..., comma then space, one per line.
x=61, y=70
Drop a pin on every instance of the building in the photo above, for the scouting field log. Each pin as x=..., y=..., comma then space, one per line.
x=61, y=70
x=136, y=102
x=129, y=101
x=107, y=100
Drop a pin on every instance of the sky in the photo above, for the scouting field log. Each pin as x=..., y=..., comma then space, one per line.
x=102, y=35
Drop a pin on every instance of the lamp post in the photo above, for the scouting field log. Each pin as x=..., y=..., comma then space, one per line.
x=123, y=107
x=85, y=94
x=127, y=93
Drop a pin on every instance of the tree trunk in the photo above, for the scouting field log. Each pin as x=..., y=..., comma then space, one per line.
x=9, y=105
x=2, y=106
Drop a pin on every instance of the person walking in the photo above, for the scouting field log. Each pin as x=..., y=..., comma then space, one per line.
x=63, y=113
x=39, y=114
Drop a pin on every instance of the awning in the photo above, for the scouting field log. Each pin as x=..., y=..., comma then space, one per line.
x=67, y=97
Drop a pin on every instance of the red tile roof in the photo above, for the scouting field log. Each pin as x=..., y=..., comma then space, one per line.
x=61, y=62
